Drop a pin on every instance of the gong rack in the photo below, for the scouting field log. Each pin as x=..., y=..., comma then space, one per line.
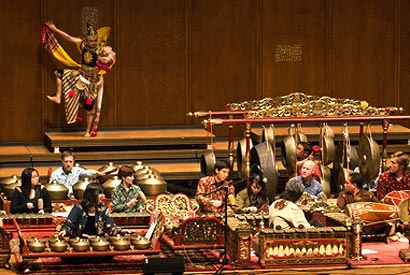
x=297, y=108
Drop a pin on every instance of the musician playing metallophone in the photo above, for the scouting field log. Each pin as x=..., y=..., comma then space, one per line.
x=210, y=193
x=253, y=199
x=31, y=196
x=127, y=197
x=90, y=217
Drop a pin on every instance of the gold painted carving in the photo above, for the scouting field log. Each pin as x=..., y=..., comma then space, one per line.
x=288, y=53
x=303, y=105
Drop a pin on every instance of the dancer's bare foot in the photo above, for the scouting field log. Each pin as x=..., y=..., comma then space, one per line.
x=55, y=99
x=87, y=134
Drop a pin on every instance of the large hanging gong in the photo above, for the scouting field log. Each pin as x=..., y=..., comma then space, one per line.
x=369, y=158
x=327, y=144
x=342, y=177
x=241, y=156
x=347, y=159
x=264, y=156
x=268, y=134
x=288, y=153
x=207, y=163
x=325, y=180
x=299, y=135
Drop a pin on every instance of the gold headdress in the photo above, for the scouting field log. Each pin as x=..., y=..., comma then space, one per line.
x=91, y=32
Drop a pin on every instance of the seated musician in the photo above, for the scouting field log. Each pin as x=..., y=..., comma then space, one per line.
x=90, y=217
x=305, y=151
x=396, y=178
x=254, y=198
x=68, y=174
x=31, y=196
x=312, y=186
x=211, y=193
x=127, y=196
x=284, y=213
x=354, y=192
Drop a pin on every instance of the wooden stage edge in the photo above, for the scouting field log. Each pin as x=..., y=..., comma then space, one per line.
x=396, y=269
x=174, y=151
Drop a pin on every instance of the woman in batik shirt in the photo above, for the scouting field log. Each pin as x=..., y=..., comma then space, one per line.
x=396, y=178
x=127, y=196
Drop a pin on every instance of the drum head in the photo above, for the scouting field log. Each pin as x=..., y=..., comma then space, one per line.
x=404, y=210
x=395, y=197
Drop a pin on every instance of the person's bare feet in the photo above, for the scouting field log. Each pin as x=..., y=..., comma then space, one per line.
x=87, y=134
x=55, y=99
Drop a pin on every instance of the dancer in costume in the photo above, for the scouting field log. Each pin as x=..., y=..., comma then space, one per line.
x=82, y=84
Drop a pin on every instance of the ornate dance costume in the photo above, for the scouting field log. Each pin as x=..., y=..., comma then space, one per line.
x=82, y=85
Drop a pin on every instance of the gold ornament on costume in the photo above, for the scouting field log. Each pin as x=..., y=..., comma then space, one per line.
x=92, y=34
x=88, y=57
x=89, y=14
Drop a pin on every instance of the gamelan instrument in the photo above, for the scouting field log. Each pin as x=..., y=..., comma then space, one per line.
x=372, y=212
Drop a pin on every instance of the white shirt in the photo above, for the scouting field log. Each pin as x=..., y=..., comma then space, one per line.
x=287, y=215
x=71, y=178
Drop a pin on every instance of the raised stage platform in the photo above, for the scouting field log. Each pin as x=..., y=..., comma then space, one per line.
x=174, y=152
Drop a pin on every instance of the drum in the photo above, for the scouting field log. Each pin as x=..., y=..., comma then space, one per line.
x=395, y=197
x=404, y=210
x=370, y=212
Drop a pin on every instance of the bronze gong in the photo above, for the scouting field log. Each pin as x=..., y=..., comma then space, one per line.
x=264, y=156
x=369, y=158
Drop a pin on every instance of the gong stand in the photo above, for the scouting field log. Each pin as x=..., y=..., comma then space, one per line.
x=289, y=120
x=224, y=260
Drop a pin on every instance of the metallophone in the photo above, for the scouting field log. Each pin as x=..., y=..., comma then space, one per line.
x=28, y=253
x=43, y=227
x=325, y=245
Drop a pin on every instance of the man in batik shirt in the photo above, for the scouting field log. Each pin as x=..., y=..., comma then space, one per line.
x=212, y=190
x=353, y=192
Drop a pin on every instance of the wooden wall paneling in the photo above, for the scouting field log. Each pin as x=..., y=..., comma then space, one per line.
x=20, y=109
x=175, y=56
x=403, y=98
x=364, y=51
x=153, y=63
x=107, y=17
x=70, y=21
x=294, y=47
x=224, y=53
